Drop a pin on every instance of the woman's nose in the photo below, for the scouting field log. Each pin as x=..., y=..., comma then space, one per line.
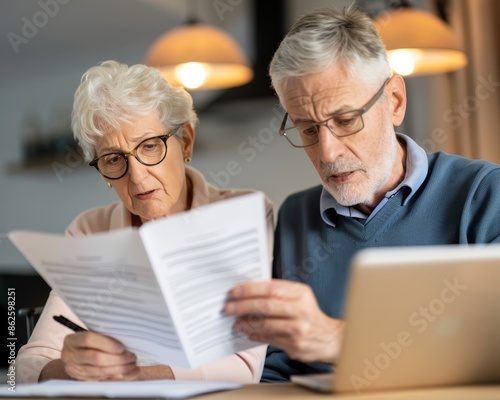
x=136, y=170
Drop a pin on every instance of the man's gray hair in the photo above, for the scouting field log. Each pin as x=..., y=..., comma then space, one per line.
x=326, y=37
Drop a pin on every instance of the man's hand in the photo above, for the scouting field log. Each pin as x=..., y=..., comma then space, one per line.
x=89, y=356
x=286, y=315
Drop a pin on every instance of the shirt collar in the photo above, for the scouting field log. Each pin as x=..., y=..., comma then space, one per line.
x=416, y=171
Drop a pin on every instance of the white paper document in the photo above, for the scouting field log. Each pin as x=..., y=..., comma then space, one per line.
x=162, y=389
x=161, y=289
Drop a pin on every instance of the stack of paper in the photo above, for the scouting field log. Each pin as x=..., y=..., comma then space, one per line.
x=161, y=289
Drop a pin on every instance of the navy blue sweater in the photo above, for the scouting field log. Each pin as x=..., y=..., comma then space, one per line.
x=458, y=203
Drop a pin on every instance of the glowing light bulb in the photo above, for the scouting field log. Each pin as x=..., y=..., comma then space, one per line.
x=402, y=61
x=192, y=75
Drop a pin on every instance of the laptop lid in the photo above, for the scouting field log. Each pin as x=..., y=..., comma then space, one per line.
x=419, y=316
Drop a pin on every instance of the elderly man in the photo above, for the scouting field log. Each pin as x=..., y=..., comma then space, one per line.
x=379, y=188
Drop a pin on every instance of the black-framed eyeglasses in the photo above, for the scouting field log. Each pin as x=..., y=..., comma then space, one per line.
x=151, y=151
x=340, y=124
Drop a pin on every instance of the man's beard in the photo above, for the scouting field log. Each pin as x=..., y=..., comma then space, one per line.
x=361, y=192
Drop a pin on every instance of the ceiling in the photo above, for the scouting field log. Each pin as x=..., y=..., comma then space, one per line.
x=48, y=37
x=43, y=37
x=38, y=39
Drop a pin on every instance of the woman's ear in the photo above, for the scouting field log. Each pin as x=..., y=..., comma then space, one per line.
x=188, y=135
x=397, y=97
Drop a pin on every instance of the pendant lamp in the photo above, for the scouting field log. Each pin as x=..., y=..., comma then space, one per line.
x=199, y=56
x=419, y=43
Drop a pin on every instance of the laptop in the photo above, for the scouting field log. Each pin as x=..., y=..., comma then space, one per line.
x=418, y=317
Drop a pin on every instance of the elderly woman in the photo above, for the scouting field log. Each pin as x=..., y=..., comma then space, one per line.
x=138, y=132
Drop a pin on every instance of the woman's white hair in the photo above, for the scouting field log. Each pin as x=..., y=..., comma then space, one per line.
x=112, y=93
x=326, y=37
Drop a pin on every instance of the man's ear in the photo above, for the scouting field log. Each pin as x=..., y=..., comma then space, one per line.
x=397, y=98
x=188, y=135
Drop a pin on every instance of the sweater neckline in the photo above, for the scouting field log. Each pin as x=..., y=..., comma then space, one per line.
x=371, y=229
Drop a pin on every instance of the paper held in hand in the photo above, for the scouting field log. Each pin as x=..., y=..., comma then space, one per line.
x=160, y=289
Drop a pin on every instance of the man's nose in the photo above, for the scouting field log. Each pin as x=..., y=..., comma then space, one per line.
x=330, y=146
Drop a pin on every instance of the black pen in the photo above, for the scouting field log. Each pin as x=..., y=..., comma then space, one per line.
x=68, y=324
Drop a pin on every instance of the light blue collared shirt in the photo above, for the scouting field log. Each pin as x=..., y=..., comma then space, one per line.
x=416, y=170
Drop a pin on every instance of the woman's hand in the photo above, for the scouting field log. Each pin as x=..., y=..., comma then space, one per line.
x=89, y=356
x=286, y=315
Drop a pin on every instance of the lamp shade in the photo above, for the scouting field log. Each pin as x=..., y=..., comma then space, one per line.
x=419, y=43
x=199, y=56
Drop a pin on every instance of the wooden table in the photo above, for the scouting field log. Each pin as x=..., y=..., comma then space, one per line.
x=291, y=391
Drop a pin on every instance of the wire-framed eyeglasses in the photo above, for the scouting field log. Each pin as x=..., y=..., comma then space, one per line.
x=341, y=124
x=151, y=151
